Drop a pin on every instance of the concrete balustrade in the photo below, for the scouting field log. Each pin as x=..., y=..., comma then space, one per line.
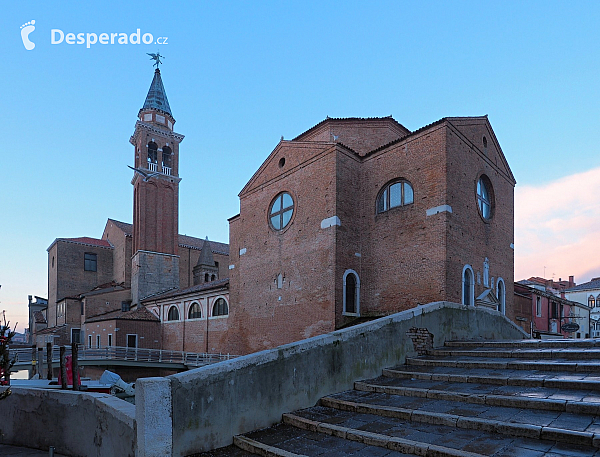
x=204, y=408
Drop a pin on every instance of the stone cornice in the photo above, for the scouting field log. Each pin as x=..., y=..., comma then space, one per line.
x=139, y=125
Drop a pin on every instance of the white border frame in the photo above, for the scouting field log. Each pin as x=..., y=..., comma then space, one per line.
x=502, y=299
x=356, y=291
x=472, y=288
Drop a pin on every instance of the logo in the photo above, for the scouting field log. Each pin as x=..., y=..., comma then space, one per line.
x=26, y=29
x=57, y=36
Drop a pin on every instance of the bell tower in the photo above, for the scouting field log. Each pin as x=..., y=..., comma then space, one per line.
x=155, y=261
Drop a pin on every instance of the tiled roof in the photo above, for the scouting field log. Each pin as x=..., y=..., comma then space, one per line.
x=197, y=243
x=138, y=314
x=124, y=226
x=62, y=330
x=157, y=97
x=416, y=132
x=199, y=288
x=184, y=240
x=87, y=240
x=347, y=119
x=593, y=284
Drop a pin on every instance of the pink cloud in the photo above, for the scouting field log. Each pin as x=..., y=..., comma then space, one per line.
x=557, y=226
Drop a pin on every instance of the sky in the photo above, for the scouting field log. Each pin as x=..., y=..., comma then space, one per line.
x=239, y=75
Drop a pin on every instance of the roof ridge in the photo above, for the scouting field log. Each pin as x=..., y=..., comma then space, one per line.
x=391, y=143
x=349, y=119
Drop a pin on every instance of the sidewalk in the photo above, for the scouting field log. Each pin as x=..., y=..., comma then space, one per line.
x=16, y=451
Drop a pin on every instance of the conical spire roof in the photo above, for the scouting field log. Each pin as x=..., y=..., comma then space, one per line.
x=206, y=256
x=157, y=97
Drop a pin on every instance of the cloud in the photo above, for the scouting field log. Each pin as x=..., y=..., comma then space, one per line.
x=557, y=226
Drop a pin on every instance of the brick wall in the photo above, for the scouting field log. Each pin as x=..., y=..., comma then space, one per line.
x=404, y=256
x=263, y=314
x=68, y=278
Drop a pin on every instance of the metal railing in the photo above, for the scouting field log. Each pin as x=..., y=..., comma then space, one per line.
x=117, y=353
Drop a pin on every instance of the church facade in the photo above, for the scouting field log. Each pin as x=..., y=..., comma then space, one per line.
x=360, y=218
x=353, y=219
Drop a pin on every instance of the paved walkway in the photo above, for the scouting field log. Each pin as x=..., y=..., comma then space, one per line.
x=17, y=451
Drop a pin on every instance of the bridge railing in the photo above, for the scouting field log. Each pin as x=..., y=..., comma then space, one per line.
x=118, y=353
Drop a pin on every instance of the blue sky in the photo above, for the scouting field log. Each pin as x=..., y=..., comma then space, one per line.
x=239, y=75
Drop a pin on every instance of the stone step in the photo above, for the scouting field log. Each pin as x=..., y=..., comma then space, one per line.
x=558, y=343
x=258, y=448
x=520, y=353
x=550, y=399
x=498, y=363
x=290, y=440
x=427, y=438
x=227, y=451
x=550, y=379
x=565, y=427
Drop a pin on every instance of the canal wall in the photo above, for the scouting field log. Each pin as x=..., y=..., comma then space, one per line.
x=75, y=423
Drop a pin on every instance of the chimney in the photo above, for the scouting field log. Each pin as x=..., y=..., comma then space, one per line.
x=29, y=297
x=571, y=281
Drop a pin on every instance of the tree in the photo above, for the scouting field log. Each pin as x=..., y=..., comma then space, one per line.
x=6, y=363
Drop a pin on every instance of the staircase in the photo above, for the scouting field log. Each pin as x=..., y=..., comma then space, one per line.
x=509, y=398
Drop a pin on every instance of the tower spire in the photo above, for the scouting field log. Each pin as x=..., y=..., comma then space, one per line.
x=157, y=97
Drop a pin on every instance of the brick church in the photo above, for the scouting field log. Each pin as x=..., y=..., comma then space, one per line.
x=351, y=220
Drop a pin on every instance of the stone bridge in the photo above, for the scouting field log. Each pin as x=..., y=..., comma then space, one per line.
x=204, y=408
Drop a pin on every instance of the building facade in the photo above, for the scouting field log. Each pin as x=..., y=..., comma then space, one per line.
x=351, y=220
x=360, y=218
x=550, y=312
x=588, y=294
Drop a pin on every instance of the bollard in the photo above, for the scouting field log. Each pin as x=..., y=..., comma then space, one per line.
x=75, y=365
x=49, y=361
x=51, y=451
x=63, y=368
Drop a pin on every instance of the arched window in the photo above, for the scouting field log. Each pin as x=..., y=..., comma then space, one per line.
x=173, y=314
x=212, y=277
x=501, y=294
x=152, y=153
x=194, y=312
x=166, y=156
x=281, y=211
x=598, y=301
x=205, y=277
x=468, y=286
x=351, y=293
x=484, y=197
x=591, y=301
x=395, y=193
x=220, y=308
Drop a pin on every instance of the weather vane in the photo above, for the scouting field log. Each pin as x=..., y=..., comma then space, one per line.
x=156, y=57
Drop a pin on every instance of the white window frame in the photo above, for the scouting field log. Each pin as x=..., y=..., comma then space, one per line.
x=211, y=305
x=538, y=306
x=502, y=299
x=98, y=341
x=187, y=316
x=90, y=341
x=356, y=292
x=471, y=289
x=168, y=308
x=110, y=341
